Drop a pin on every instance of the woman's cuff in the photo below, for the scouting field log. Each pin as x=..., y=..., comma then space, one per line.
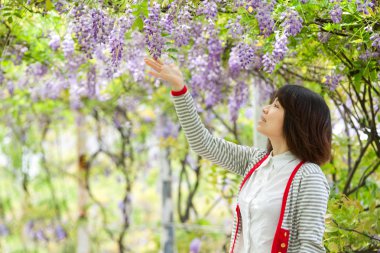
x=180, y=92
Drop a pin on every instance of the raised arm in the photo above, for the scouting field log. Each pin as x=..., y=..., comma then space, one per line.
x=219, y=151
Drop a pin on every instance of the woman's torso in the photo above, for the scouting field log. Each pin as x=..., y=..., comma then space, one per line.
x=260, y=202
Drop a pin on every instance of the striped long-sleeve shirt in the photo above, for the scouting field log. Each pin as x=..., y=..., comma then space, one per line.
x=302, y=227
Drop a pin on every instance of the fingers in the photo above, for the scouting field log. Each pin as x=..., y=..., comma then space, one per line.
x=157, y=61
x=155, y=74
x=153, y=64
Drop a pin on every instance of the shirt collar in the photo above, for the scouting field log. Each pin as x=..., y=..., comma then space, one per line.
x=281, y=159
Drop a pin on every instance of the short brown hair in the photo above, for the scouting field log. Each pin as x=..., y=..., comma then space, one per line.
x=307, y=123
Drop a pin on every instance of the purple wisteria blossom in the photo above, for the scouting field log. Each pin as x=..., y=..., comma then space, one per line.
x=368, y=55
x=238, y=3
x=280, y=46
x=363, y=6
x=102, y=25
x=61, y=6
x=254, y=4
x=375, y=40
x=135, y=52
x=92, y=88
x=209, y=8
x=264, y=17
x=247, y=56
x=336, y=14
x=154, y=39
x=182, y=31
x=332, y=81
x=167, y=22
x=117, y=38
x=195, y=245
x=269, y=62
x=234, y=63
x=116, y=45
x=55, y=41
x=68, y=46
x=237, y=99
x=292, y=22
x=235, y=29
x=205, y=65
x=60, y=233
x=38, y=69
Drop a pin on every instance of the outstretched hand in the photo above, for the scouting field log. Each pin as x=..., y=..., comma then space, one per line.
x=167, y=72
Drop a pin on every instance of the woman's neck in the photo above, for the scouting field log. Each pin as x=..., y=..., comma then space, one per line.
x=279, y=147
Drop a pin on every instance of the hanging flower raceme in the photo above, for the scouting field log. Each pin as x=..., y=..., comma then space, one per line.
x=55, y=41
x=280, y=46
x=234, y=63
x=209, y=8
x=264, y=17
x=332, y=81
x=363, y=6
x=292, y=22
x=237, y=99
x=68, y=46
x=235, y=29
x=182, y=30
x=153, y=37
x=376, y=41
x=269, y=62
x=336, y=13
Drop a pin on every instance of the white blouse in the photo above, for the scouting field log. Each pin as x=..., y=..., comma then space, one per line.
x=260, y=202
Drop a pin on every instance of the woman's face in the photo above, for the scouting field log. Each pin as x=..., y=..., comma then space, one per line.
x=272, y=120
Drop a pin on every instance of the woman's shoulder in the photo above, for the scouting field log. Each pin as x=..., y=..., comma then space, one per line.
x=311, y=168
x=313, y=174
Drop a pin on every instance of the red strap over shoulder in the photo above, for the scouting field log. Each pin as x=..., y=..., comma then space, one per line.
x=253, y=169
x=237, y=206
x=276, y=241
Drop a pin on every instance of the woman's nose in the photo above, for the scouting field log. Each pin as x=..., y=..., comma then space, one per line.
x=265, y=109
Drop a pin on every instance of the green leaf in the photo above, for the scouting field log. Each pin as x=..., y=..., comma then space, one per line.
x=49, y=5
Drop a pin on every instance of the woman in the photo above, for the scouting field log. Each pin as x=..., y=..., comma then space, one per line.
x=283, y=196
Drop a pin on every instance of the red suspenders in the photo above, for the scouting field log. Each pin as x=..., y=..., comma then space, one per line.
x=280, y=241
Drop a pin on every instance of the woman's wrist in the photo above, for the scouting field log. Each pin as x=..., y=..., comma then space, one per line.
x=178, y=86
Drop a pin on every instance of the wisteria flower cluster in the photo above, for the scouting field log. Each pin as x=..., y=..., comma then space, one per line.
x=235, y=29
x=153, y=37
x=291, y=25
x=363, y=6
x=292, y=22
x=375, y=40
x=237, y=99
x=209, y=8
x=263, y=15
x=182, y=30
x=332, y=81
x=336, y=13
